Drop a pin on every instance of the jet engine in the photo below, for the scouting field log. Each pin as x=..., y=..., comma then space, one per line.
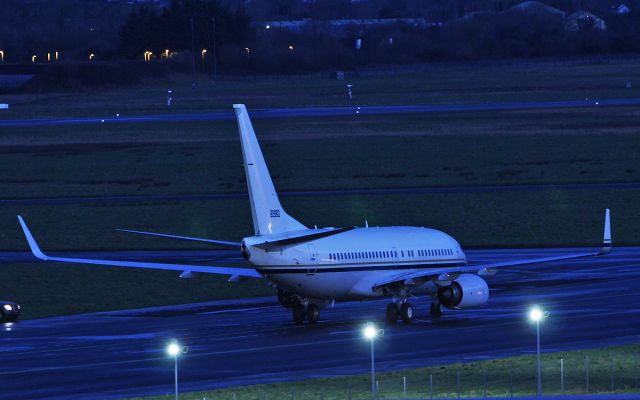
x=467, y=291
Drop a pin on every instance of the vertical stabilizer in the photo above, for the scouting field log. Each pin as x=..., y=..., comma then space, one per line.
x=266, y=210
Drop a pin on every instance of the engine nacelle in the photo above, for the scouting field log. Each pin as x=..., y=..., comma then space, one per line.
x=467, y=291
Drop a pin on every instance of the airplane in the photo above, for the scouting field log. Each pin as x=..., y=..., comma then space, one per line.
x=314, y=267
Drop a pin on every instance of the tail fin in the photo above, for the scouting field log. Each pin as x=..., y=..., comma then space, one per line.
x=266, y=210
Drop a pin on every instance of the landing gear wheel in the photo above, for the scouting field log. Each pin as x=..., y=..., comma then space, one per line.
x=436, y=310
x=392, y=313
x=313, y=313
x=298, y=314
x=406, y=312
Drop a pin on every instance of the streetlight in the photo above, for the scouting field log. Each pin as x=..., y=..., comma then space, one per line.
x=1, y=55
x=174, y=350
x=33, y=58
x=536, y=314
x=202, y=53
x=91, y=56
x=371, y=332
x=290, y=47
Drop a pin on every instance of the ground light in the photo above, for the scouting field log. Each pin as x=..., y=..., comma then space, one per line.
x=536, y=315
x=174, y=350
x=371, y=332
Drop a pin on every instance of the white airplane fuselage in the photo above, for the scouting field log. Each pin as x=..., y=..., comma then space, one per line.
x=346, y=266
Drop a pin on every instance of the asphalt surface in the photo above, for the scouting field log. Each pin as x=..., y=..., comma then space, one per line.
x=319, y=193
x=320, y=112
x=592, y=302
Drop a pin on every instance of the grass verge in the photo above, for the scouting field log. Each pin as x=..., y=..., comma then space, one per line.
x=611, y=370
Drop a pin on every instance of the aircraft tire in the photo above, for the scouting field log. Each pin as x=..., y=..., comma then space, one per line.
x=313, y=313
x=392, y=313
x=298, y=314
x=406, y=312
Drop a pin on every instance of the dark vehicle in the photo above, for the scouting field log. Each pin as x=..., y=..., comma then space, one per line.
x=9, y=311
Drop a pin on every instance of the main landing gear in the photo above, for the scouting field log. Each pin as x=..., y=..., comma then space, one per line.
x=403, y=311
x=301, y=309
x=311, y=313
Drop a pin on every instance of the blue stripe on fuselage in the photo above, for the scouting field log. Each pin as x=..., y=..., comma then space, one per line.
x=303, y=269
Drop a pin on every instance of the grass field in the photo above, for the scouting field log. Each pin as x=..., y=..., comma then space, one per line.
x=463, y=83
x=611, y=370
x=392, y=151
x=347, y=162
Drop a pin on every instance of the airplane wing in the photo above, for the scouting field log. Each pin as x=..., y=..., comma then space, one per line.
x=221, y=242
x=452, y=273
x=187, y=270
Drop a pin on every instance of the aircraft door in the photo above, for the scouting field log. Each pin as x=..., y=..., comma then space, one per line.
x=313, y=259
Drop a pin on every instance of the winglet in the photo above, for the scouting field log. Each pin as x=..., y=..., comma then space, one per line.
x=32, y=242
x=606, y=241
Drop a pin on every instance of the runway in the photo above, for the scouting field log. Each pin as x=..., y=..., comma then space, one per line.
x=592, y=303
x=319, y=112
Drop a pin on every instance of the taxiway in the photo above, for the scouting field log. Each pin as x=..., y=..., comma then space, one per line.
x=592, y=303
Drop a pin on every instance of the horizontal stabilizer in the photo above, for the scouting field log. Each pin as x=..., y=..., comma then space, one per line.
x=195, y=239
x=187, y=271
x=301, y=239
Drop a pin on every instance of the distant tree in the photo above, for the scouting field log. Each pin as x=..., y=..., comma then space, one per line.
x=145, y=30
